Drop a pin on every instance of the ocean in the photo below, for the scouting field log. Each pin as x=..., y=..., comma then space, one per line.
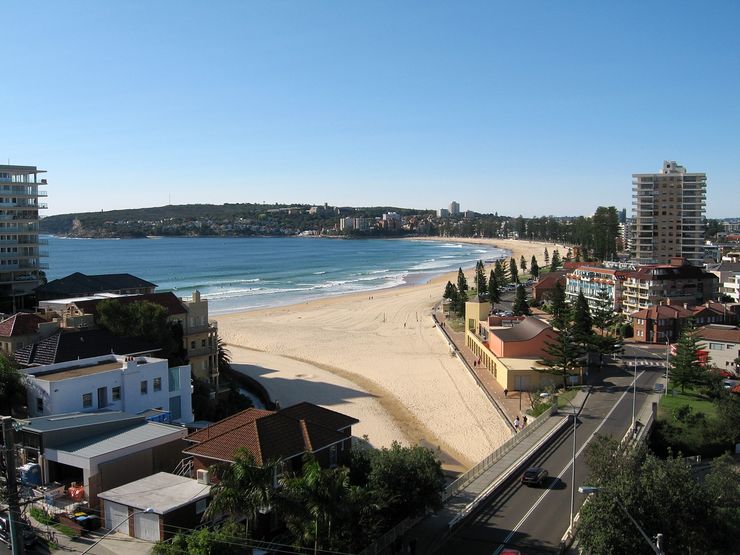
x=246, y=273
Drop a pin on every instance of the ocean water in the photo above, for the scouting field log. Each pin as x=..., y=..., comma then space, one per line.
x=246, y=273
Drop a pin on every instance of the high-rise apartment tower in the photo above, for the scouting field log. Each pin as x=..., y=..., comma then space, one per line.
x=454, y=208
x=668, y=209
x=20, y=252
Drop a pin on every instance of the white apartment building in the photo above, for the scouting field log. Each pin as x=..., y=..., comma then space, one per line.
x=129, y=384
x=20, y=253
x=454, y=208
x=668, y=208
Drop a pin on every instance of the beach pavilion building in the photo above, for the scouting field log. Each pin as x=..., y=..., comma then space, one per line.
x=511, y=348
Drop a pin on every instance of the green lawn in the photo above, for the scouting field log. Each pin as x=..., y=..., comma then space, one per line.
x=564, y=397
x=693, y=398
x=455, y=322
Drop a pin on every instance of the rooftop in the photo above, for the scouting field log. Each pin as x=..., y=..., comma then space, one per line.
x=76, y=420
x=719, y=332
x=117, y=440
x=21, y=323
x=162, y=492
x=528, y=328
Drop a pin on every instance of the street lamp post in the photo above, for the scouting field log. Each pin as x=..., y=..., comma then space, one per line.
x=147, y=510
x=667, y=361
x=634, y=395
x=573, y=467
x=657, y=547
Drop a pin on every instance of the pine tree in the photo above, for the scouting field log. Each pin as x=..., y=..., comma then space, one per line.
x=581, y=317
x=494, y=291
x=523, y=264
x=513, y=272
x=547, y=256
x=558, y=307
x=602, y=313
x=564, y=355
x=686, y=370
x=480, y=278
x=521, y=306
x=555, y=263
x=534, y=268
x=500, y=272
x=462, y=283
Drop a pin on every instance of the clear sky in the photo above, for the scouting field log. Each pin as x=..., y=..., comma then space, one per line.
x=514, y=107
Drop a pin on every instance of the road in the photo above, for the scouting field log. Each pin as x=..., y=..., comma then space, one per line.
x=533, y=520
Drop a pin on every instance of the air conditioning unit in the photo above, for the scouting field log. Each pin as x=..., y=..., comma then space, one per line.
x=204, y=477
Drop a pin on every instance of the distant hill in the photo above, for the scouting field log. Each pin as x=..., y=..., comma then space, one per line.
x=206, y=219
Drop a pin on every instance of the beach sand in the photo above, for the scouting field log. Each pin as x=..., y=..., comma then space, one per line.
x=378, y=357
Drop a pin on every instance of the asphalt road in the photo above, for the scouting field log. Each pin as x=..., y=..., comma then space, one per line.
x=533, y=520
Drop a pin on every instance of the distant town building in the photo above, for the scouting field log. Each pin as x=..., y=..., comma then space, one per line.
x=668, y=210
x=346, y=224
x=20, y=253
x=443, y=213
x=361, y=224
x=454, y=208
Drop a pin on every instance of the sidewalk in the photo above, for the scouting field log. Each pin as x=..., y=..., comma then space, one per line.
x=114, y=544
x=431, y=532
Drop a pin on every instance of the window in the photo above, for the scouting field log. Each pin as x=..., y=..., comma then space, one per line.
x=333, y=456
x=200, y=505
x=116, y=393
x=86, y=400
x=202, y=342
x=157, y=385
x=39, y=404
x=144, y=387
x=192, y=344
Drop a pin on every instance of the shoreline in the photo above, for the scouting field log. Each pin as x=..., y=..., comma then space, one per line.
x=378, y=357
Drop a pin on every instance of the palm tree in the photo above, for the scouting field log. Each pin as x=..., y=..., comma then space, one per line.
x=224, y=355
x=316, y=501
x=243, y=487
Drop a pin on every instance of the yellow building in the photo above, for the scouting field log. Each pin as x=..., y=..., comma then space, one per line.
x=510, y=348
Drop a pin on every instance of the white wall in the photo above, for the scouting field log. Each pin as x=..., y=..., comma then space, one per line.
x=67, y=395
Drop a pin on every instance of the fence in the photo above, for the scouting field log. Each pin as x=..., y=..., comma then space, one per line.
x=490, y=460
x=385, y=541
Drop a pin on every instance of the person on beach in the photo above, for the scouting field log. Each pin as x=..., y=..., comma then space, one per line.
x=516, y=423
x=506, y=392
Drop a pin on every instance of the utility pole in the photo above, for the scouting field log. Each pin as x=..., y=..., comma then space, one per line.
x=14, y=510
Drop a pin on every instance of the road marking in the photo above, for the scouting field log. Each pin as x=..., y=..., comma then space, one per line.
x=562, y=472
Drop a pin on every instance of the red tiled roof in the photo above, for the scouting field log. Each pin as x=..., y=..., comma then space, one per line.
x=549, y=280
x=222, y=426
x=21, y=323
x=714, y=332
x=319, y=415
x=272, y=437
x=663, y=312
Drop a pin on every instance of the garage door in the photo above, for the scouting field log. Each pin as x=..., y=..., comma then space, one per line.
x=146, y=526
x=115, y=514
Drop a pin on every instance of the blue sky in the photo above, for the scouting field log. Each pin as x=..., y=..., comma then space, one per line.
x=513, y=107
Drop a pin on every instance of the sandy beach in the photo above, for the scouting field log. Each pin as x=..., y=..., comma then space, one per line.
x=376, y=356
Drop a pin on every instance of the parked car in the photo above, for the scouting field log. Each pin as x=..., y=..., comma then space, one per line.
x=534, y=476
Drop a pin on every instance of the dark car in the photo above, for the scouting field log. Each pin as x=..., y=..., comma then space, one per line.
x=534, y=476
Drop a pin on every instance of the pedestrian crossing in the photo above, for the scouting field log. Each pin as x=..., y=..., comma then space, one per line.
x=643, y=362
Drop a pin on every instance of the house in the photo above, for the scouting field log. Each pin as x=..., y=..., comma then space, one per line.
x=722, y=342
x=284, y=435
x=72, y=344
x=657, y=324
x=100, y=450
x=81, y=285
x=111, y=382
x=19, y=330
x=510, y=348
x=200, y=335
x=155, y=507
x=728, y=274
x=546, y=284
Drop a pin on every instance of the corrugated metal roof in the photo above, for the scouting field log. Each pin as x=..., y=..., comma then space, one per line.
x=162, y=492
x=114, y=441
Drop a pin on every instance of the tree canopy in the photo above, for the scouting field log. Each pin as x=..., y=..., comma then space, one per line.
x=12, y=387
x=686, y=370
x=663, y=496
x=521, y=306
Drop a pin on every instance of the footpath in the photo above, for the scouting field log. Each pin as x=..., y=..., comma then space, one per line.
x=430, y=534
x=114, y=544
